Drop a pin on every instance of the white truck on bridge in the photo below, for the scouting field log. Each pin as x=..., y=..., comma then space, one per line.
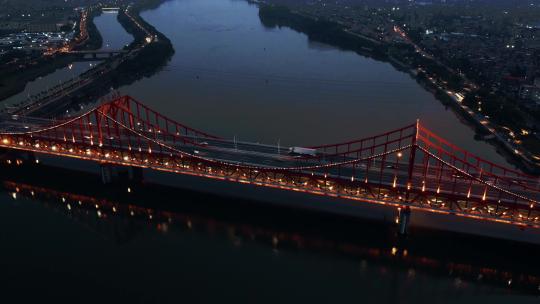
x=302, y=151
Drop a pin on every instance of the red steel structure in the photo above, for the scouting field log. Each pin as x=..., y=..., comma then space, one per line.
x=408, y=167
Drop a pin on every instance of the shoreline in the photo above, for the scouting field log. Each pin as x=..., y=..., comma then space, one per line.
x=146, y=55
x=17, y=82
x=335, y=35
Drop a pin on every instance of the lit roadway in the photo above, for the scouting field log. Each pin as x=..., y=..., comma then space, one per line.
x=390, y=173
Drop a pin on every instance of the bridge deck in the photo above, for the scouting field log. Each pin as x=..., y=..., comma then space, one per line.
x=393, y=168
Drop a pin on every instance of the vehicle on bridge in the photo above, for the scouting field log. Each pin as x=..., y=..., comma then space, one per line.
x=299, y=151
x=406, y=168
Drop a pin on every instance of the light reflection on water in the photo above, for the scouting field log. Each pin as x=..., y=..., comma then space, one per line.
x=232, y=76
x=234, y=247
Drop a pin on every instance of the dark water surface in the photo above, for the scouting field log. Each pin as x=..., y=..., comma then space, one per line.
x=70, y=239
x=232, y=76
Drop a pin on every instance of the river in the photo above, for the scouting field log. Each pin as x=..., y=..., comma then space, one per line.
x=232, y=76
x=113, y=34
x=114, y=38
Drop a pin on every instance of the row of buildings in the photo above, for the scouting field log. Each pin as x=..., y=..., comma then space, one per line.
x=39, y=42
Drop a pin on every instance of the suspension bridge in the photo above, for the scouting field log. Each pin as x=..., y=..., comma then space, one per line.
x=410, y=168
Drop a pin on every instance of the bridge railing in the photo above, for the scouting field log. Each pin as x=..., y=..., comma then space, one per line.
x=396, y=172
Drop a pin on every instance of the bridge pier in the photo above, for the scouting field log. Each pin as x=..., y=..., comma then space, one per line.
x=404, y=219
x=31, y=157
x=111, y=174
x=3, y=152
x=135, y=174
x=106, y=174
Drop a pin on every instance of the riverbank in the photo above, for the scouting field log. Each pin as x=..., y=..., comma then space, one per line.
x=321, y=30
x=95, y=40
x=146, y=55
x=14, y=78
x=334, y=34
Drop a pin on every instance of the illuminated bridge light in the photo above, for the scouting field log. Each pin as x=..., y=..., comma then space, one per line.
x=320, y=186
